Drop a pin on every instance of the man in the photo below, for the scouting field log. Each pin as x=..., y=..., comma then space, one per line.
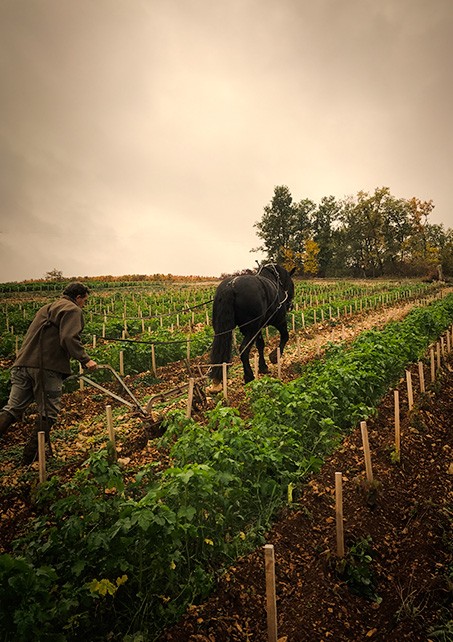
x=43, y=363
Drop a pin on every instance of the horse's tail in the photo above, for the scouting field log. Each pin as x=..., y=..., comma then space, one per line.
x=223, y=323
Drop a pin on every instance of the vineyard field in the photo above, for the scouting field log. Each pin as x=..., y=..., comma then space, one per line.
x=180, y=506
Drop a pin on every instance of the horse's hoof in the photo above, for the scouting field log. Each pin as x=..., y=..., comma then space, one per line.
x=273, y=356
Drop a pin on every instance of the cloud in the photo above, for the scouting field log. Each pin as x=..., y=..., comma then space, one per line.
x=170, y=123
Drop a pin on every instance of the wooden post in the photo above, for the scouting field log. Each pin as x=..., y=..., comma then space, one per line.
x=42, y=456
x=421, y=376
x=433, y=365
x=103, y=330
x=438, y=355
x=255, y=364
x=447, y=337
x=410, y=395
x=303, y=320
x=314, y=317
x=225, y=380
x=81, y=382
x=442, y=346
x=396, y=395
x=279, y=364
x=271, y=598
x=153, y=360
x=339, y=513
x=121, y=363
x=366, y=451
x=94, y=340
x=190, y=397
x=110, y=430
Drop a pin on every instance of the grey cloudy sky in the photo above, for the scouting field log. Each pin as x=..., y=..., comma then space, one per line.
x=146, y=136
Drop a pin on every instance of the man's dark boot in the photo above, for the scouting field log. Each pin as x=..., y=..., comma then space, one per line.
x=30, y=452
x=6, y=420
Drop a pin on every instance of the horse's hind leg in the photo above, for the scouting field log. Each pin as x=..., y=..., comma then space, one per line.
x=262, y=366
x=284, y=336
x=245, y=348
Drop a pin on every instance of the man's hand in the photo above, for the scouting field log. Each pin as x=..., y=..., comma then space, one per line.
x=91, y=365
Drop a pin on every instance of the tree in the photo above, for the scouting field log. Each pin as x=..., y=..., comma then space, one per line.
x=275, y=226
x=323, y=220
x=54, y=275
x=310, y=257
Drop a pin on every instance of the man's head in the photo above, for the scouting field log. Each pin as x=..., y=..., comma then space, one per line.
x=78, y=292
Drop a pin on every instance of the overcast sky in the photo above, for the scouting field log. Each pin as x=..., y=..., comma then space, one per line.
x=146, y=136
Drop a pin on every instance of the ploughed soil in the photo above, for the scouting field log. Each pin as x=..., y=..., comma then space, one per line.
x=395, y=579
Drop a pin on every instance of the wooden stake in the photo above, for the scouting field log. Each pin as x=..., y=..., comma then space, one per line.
x=433, y=366
x=121, y=363
x=279, y=364
x=110, y=430
x=396, y=395
x=94, y=340
x=190, y=397
x=339, y=513
x=225, y=380
x=271, y=598
x=421, y=376
x=410, y=396
x=42, y=456
x=81, y=382
x=255, y=364
x=153, y=360
x=366, y=451
x=438, y=355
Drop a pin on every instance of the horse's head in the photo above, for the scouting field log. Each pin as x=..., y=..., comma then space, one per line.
x=287, y=284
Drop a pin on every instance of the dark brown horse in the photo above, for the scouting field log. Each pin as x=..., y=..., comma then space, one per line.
x=251, y=302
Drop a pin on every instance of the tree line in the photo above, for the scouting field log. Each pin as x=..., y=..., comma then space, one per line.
x=367, y=235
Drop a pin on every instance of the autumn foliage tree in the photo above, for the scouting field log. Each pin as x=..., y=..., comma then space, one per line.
x=370, y=235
